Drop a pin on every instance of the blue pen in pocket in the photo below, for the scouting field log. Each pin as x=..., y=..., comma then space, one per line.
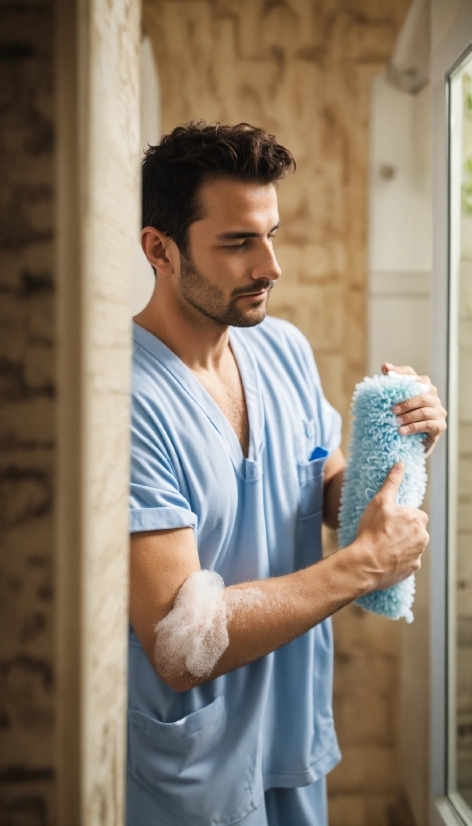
x=318, y=453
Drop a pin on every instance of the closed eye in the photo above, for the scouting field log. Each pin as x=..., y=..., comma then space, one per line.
x=245, y=243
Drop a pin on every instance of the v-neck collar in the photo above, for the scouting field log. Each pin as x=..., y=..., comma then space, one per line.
x=249, y=467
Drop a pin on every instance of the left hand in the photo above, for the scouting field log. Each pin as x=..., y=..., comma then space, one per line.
x=421, y=414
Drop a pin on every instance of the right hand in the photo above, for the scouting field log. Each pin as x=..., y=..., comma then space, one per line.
x=391, y=537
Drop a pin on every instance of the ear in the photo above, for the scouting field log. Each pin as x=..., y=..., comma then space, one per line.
x=160, y=250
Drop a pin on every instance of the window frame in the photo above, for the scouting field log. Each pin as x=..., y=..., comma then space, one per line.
x=446, y=808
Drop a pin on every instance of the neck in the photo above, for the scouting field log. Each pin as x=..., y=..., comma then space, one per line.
x=197, y=340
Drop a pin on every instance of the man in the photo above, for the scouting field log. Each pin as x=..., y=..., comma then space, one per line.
x=235, y=463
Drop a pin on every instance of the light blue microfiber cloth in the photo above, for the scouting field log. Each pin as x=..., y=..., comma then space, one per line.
x=376, y=445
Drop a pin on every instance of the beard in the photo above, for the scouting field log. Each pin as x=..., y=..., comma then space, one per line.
x=210, y=300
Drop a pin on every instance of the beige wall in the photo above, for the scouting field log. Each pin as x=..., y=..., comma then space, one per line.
x=27, y=436
x=304, y=71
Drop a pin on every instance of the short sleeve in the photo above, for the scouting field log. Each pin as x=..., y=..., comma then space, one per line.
x=156, y=499
x=331, y=425
x=330, y=421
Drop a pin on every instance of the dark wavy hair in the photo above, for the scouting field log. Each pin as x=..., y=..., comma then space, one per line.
x=174, y=170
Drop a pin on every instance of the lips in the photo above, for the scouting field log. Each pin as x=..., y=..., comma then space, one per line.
x=249, y=295
x=260, y=293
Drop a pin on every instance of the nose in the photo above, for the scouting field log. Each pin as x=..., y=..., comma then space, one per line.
x=266, y=264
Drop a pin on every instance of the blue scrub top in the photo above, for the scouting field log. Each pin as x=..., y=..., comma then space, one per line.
x=206, y=756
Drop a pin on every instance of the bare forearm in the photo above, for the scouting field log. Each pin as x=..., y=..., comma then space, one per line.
x=332, y=500
x=287, y=607
x=190, y=624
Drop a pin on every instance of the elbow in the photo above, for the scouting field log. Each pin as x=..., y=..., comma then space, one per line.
x=182, y=683
x=192, y=636
x=179, y=683
x=172, y=670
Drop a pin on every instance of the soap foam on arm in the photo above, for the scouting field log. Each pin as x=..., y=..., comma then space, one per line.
x=193, y=636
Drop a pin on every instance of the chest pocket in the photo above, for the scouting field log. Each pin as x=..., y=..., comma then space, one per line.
x=310, y=480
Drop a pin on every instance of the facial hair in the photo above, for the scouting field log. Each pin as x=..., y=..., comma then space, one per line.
x=210, y=300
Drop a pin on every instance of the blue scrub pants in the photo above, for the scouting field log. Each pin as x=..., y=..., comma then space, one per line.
x=303, y=806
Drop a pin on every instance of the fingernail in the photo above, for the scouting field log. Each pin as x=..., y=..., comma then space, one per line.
x=404, y=430
x=397, y=409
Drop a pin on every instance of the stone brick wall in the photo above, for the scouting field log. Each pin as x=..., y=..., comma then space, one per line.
x=26, y=412
x=303, y=69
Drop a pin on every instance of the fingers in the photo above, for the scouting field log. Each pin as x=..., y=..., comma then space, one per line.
x=415, y=515
x=425, y=539
x=406, y=370
x=433, y=427
x=418, y=521
x=392, y=482
x=424, y=517
x=422, y=534
x=402, y=371
x=387, y=368
x=427, y=381
x=422, y=414
x=425, y=400
x=424, y=420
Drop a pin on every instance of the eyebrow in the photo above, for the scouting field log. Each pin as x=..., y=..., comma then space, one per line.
x=232, y=236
